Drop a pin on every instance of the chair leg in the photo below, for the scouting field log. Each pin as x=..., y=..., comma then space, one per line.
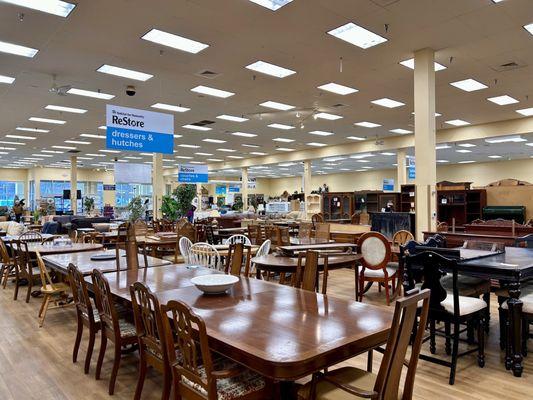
x=44, y=309
x=525, y=336
x=387, y=293
x=116, y=365
x=481, y=342
x=167, y=384
x=175, y=387
x=90, y=347
x=77, y=341
x=101, y=354
x=486, y=325
x=503, y=331
x=455, y=350
x=432, y=344
x=141, y=377
x=448, y=331
x=28, y=293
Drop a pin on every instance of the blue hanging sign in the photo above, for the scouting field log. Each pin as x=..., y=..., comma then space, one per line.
x=234, y=189
x=189, y=173
x=139, y=130
x=220, y=190
x=412, y=172
x=388, y=185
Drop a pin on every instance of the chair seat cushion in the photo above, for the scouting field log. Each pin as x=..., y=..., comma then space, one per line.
x=230, y=388
x=96, y=315
x=527, y=301
x=127, y=329
x=378, y=273
x=348, y=375
x=467, y=285
x=467, y=305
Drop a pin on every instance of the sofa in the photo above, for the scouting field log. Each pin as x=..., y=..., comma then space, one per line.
x=87, y=222
x=12, y=228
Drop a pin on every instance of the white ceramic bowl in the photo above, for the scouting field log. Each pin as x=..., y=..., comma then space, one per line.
x=214, y=283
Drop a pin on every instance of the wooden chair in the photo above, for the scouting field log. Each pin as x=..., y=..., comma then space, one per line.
x=525, y=241
x=236, y=259
x=205, y=255
x=210, y=235
x=128, y=241
x=305, y=230
x=307, y=273
x=450, y=308
x=263, y=250
x=442, y=227
x=317, y=219
x=238, y=239
x=197, y=375
x=119, y=331
x=355, y=219
x=255, y=234
x=480, y=245
x=375, y=263
x=25, y=269
x=150, y=336
x=140, y=227
x=8, y=268
x=92, y=237
x=349, y=382
x=402, y=237
x=187, y=230
x=52, y=292
x=86, y=314
x=322, y=232
x=31, y=237
x=184, y=246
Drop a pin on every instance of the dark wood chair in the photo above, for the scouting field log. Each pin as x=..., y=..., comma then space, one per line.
x=255, y=234
x=86, y=314
x=480, y=245
x=305, y=230
x=322, y=233
x=31, y=237
x=198, y=373
x=127, y=240
x=114, y=328
x=307, y=272
x=442, y=227
x=210, y=235
x=317, y=218
x=450, y=308
x=349, y=382
x=236, y=259
x=355, y=219
x=26, y=269
x=8, y=267
x=525, y=241
x=151, y=337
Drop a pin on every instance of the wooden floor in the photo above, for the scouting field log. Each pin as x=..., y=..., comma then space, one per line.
x=36, y=363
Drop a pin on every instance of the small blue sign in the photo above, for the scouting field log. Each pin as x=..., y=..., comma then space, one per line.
x=388, y=185
x=234, y=189
x=133, y=140
x=220, y=190
x=188, y=173
x=412, y=172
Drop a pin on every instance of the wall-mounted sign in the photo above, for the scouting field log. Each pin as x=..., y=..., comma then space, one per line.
x=234, y=189
x=252, y=183
x=139, y=130
x=189, y=173
x=388, y=185
x=110, y=187
x=411, y=170
x=220, y=190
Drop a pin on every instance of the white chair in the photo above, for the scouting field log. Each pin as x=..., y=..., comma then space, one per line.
x=238, y=239
x=264, y=250
x=205, y=255
x=185, y=248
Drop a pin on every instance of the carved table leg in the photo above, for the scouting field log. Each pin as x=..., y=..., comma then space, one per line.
x=514, y=357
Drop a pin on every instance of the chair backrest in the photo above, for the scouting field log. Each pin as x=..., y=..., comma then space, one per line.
x=525, y=241
x=480, y=245
x=236, y=259
x=317, y=218
x=92, y=237
x=31, y=236
x=80, y=294
x=356, y=218
x=104, y=301
x=278, y=235
x=237, y=239
x=22, y=257
x=4, y=254
x=209, y=234
x=148, y=320
x=405, y=312
x=402, y=237
x=255, y=233
x=186, y=331
x=322, y=232
x=442, y=227
x=305, y=230
x=264, y=249
x=46, y=281
x=185, y=247
x=307, y=271
x=140, y=228
x=375, y=249
x=187, y=230
x=128, y=241
x=205, y=255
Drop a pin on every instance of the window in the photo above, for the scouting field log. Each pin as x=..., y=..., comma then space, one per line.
x=54, y=189
x=127, y=191
x=8, y=191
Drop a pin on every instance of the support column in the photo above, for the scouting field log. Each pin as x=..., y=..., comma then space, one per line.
x=307, y=182
x=401, y=178
x=244, y=186
x=199, y=195
x=158, y=184
x=74, y=184
x=425, y=153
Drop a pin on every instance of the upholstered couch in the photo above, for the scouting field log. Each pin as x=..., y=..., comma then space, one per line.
x=12, y=228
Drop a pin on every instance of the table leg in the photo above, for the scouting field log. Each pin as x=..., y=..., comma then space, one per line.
x=514, y=358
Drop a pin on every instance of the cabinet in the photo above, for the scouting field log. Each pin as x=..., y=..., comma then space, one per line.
x=407, y=198
x=313, y=205
x=337, y=205
x=374, y=201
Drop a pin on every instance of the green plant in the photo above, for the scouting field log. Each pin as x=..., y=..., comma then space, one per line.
x=136, y=208
x=88, y=204
x=184, y=195
x=238, y=204
x=220, y=202
x=36, y=215
x=169, y=208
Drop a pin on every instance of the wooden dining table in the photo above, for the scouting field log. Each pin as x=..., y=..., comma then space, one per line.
x=223, y=249
x=49, y=248
x=83, y=261
x=281, y=332
x=311, y=244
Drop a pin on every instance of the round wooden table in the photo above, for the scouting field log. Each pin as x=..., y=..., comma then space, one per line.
x=273, y=263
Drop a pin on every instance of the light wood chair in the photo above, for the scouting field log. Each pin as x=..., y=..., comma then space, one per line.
x=8, y=268
x=127, y=241
x=236, y=259
x=118, y=330
x=197, y=375
x=442, y=227
x=402, y=237
x=205, y=255
x=31, y=237
x=322, y=232
x=376, y=256
x=255, y=234
x=151, y=337
x=52, y=292
x=317, y=218
x=307, y=273
x=354, y=383
x=305, y=230
x=86, y=314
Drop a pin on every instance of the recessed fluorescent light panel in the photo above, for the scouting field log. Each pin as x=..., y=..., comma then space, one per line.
x=401, y=131
x=503, y=100
x=330, y=117
x=356, y=138
x=124, y=73
x=457, y=122
x=21, y=137
x=283, y=140
x=281, y=126
x=495, y=156
x=77, y=142
x=232, y=118
x=55, y=7
x=411, y=64
x=212, y=91
x=48, y=120
x=389, y=103
x=197, y=127
x=169, y=107
x=463, y=151
x=94, y=136
x=506, y=139
x=442, y=146
x=21, y=128
x=273, y=5
x=277, y=106
x=529, y=28
x=357, y=35
x=17, y=50
x=469, y=85
x=270, y=69
x=316, y=144
x=174, y=41
x=90, y=93
x=337, y=89
x=284, y=149
x=467, y=145
x=252, y=146
x=66, y=109
x=6, y=79
x=214, y=141
x=466, y=162
x=244, y=134
x=366, y=124
x=321, y=133
x=528, y=112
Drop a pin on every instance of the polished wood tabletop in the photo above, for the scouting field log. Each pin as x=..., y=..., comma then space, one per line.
x=314, y=245
x=11, y=238
x=223, y=249
x=83, y=262
x=49, y=248
x=275, y=263
x=279, y=331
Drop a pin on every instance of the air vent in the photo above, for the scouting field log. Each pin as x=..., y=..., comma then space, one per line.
x=74, y=151
x=207, y=74
x=508, y=66
x=384, y=3
x=204, y=122
x=339, y=105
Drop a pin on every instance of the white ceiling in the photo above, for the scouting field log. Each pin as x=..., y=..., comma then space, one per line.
x=472, y=38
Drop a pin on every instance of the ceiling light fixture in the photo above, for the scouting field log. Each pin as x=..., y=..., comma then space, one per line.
x=270, y=69
x=189, y=146
x=357, y=35
x=273, y=5
x=284, y=149
x=244, y=134
x=77, y=142
x=337, y=89
x=94, y=136
x=503, y=100
x=17, y=50
x=529, y=28
x=212, y=91
x=66, y=109
x=90, y=93
x=276, y=106
x=330, y=117
x=174, y=41
x=21, y=137
x=366, y=124
x=232, y=118
x=388, y=103
x=356, y=138
x=321, y=133
x=506, y=139
x=401, y=131
x=281, y=126
x=283, y=140
x=21, y=128
x=411, y=64
x=457, y=122
x=169, y=107
x=469, y=85
x=316, y=144
x=214, y=141
x=124, y=73
x=48, y=120
x=6, y=79
x=197, y=127
x=528, y=112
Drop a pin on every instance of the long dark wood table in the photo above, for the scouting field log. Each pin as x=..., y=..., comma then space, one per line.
x=292, y=249
x=47, y=249
x=82, y=260
x=281, y=332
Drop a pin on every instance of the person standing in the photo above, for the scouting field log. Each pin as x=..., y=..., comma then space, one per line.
x=18, y=209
